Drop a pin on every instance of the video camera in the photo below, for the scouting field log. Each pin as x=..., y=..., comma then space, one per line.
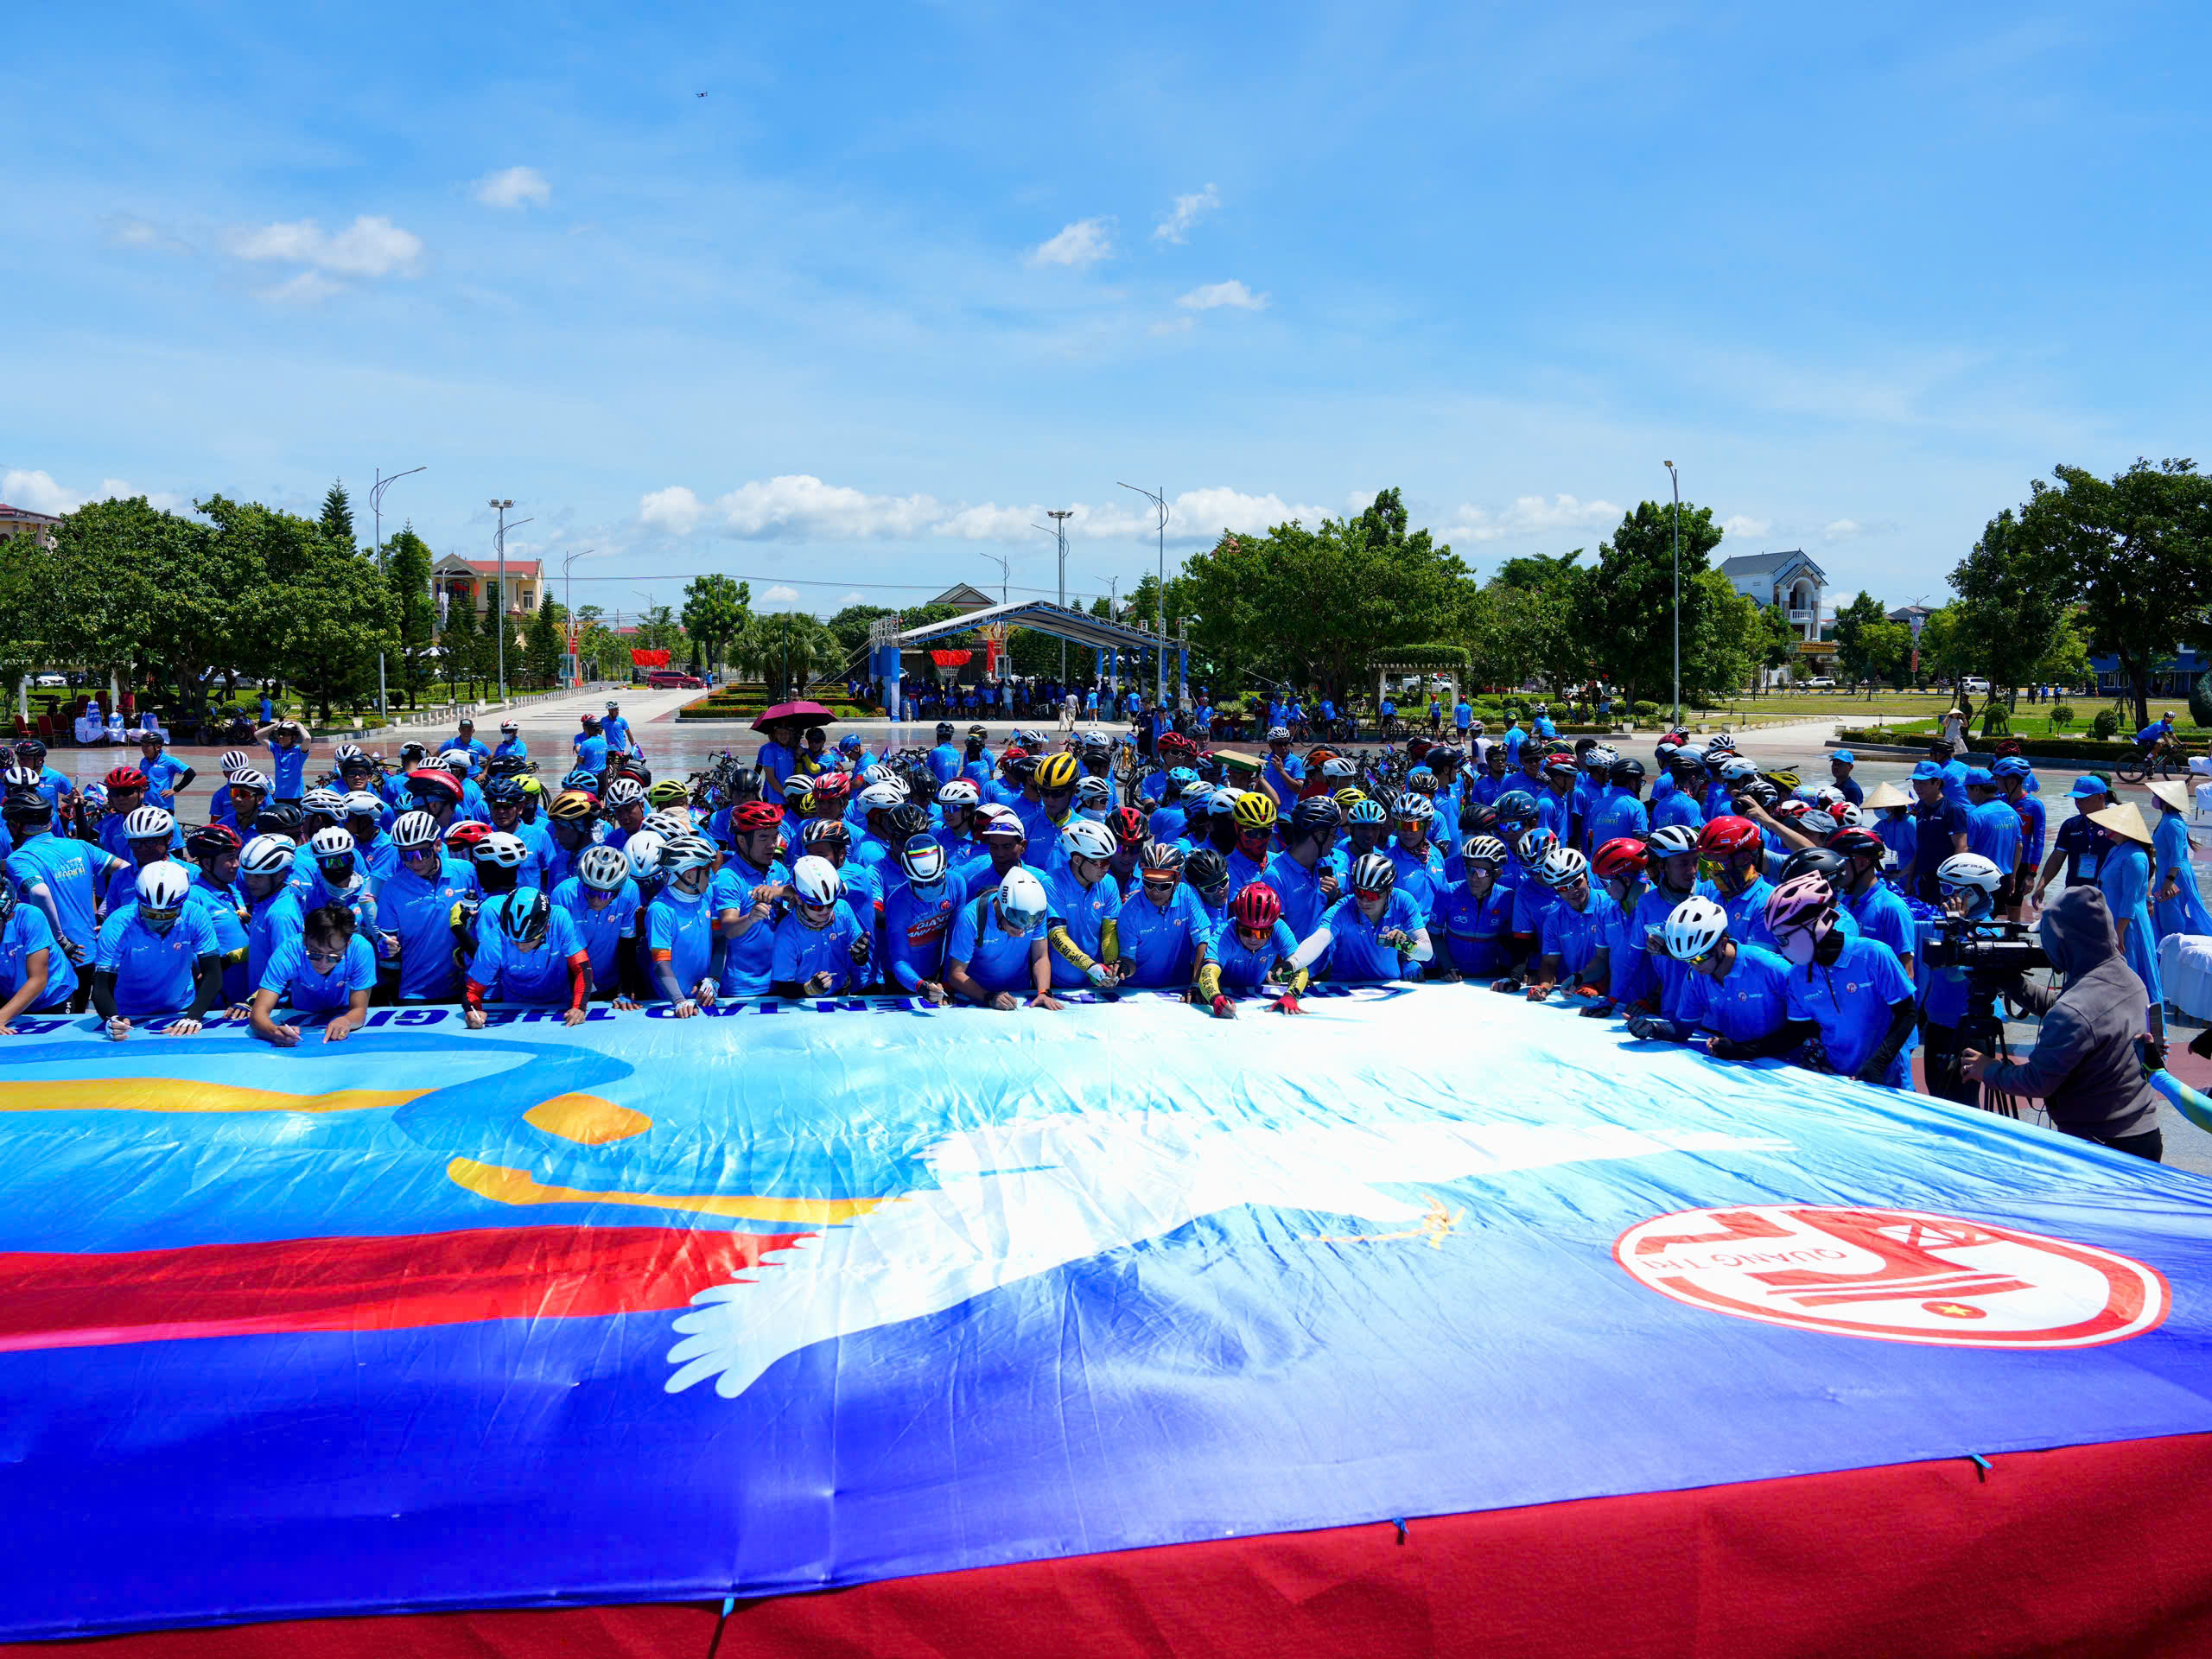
x=1994, y=956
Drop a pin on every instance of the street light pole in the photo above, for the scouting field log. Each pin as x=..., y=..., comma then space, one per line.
x=569, y=621
x=1669, y=465
x=499, y=620
x=1060, y=516
x=376, y=512
x=1158, y=500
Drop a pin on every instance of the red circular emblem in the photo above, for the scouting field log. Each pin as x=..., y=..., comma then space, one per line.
x=1896, y=1275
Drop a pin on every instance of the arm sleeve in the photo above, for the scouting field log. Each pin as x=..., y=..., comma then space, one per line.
x=1311, y=948
x=1065, y=948
x=1421, y=949
x=1901, y=1017
x=579, y=979
x=1789, y=1035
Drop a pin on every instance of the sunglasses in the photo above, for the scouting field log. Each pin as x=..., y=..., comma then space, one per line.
x=326, y=955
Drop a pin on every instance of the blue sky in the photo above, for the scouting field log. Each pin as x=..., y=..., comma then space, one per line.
x=907, y=275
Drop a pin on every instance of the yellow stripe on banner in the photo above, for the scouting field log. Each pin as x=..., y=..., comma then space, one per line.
x=585, y=1119
x=505, y=1186
x=177, y=1095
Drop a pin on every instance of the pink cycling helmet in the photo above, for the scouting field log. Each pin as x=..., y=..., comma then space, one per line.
x=1800, y=915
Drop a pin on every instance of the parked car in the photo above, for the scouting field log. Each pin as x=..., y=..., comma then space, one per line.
x=55, y=682
x=1824, y=682
x=1975, y=683
x=673, y=679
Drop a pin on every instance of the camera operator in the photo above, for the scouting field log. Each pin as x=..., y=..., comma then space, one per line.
x=1967, y=885
x=2085, y=1068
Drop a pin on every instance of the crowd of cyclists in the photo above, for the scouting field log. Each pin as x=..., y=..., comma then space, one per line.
x=1696, y=898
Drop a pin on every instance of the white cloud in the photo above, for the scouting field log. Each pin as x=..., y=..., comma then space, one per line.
x=1529, y=515
x=781, y=594
x=38, y=491
x=1186, y=212
x=305, y=288
x=1741, y=526
x=1214, y=296
x=1841, y=529
x=801, y=507
x=513, y=188
x=370, y=246
x=123, y=232
x=1083, y=243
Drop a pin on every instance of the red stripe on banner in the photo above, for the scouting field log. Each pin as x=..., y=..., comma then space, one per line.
x=2090, y=1549
x=49, y=1300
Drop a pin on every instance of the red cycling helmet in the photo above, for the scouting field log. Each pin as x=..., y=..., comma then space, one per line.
x=833, y=785
x=1618, y=859
x=125, y=777
x=1256, y=907
x=1728, y=834
x=756, y=815
x=462, y=838
x=1854, y=842
x=1177, y=742
x=434, y=780
x=1129, y=826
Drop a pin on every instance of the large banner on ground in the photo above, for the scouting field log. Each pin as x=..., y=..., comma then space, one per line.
x=650, y=1309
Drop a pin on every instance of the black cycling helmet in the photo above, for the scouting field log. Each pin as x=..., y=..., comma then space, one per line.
x=1625, y=772
x=1206, y=870
x=944, y=730
x=504, y=792
x=527, y=916
x=283, y=819
x=907, y=820
x=1823, y=861
x=1313, y=816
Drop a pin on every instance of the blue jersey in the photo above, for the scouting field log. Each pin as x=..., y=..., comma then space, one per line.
x=681, y=933
x=1355, y=950
x=1477, y=931
x=1620, y=813
x=2034, y=824
x=1676, y=806
x=472, y=746
x=511, y=748
x=66, y=869
x=1575, y=937
x=1752, y=1003
x=917, y=921
x=287, y=770
x=1883, y=918
x=1246, y=969
x=228, y=914
x=591, y=753
x=153, y=971
x=601, y=932
x=273, y=920
x=1667, y=974
x=163, y=772
x=27, y=933
x=510, y=974
x=996, y=960
x=419, y=914
x=301, y=984
x=1300, y=890
x=1994, y=830
x=1084, y=911
x=800, y=952
x=945, y=762
x=744, y=962
x=616, y=731
x=1164, y=940
x=1851, y=1001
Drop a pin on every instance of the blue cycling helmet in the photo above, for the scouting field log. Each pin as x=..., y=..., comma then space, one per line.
x=1365, y=811
x=1515, y=805
x=1531, y=847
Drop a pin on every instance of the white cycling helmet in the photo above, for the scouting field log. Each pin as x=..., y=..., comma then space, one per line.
x=1561, y=865
x=234, y=761
x=878, y=773
x=817, y=880
x=1094, y=792
x=686, y=853
x=330, y=843
x=623, y=791
x=267, y=855
x=247, y=778
x=360, y=803
x=1020, y=899
x=505, y=851
x=162, y=886
x=1484, y=849
x=412, y=831
x=1974, y=874
x=1735, y=770
x=1085, y=839
x=643, y=853
x=603, y=867
x=879, y=798
x=1669, y=839
x=962, y=792
x=924, y=861
x=328, y=802
x=670, y=821
x=148, y=824
x=1692, y=928
x=1411, y=806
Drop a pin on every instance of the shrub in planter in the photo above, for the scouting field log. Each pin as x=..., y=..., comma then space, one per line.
x=2104, y=725
x=2062, y=716
x=1645, y=710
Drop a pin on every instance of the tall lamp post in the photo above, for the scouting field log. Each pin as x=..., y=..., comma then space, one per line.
x=1158, y=500
x=1669, y=465
x=569, y=621
x=1060, y=516
x=376, y=512
x=499, y=620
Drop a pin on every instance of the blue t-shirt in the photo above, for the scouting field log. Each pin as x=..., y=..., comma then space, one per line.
x=1164, y=940
x=224, y=906
x=420, y=913
x=301, y=984
x=945, y=761
x=2034, y=824
x=1246, y=969
x=161, y=774
x=1994, y=830
x=1355, y=950
x=591, y=752
x=1420, y=878
x=1883, y=918
x=66, y=869
x=1619, y=814
x=508, y=974
x=996, y=960
x=685, y=932
x=1851, y=1001
x=616, y=730
x=917, y=921
x=1300, y=890
x=601, y=932
x=1575, y=937
x=27, y=933
x=1477, y=931
x=1084, y=912
x=1752, y=1003
x=287, y=770
x=800, y=951
x=153, y=971
x=746, y=962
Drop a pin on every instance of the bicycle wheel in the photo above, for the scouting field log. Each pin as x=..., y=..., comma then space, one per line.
x=2134, y=770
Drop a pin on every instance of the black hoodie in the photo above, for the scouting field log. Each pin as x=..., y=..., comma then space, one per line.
x=2085, y=1066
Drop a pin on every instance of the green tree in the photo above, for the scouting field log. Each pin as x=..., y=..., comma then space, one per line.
x=658, y=630
x=1310, y=607
x=1774, y=642
x=548, y=642
x=338, y=516
x=1886, y=649
x=716, y=610
x=789, y=650
x=2013, y=603
x=2136, y=549
x=1625, y=605
x=851, y=624
x=407, y=564
x=1851, y=621
x=325, y=610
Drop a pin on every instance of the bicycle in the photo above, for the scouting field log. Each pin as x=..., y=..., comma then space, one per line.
x=2159, y=757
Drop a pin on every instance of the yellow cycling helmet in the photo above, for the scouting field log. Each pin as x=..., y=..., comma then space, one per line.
x=1056, y=771
x=669, y=792
x=1349, y=797
x=1255, y=811
x=1784, y=780
x=531, y=787
x=573, y=806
